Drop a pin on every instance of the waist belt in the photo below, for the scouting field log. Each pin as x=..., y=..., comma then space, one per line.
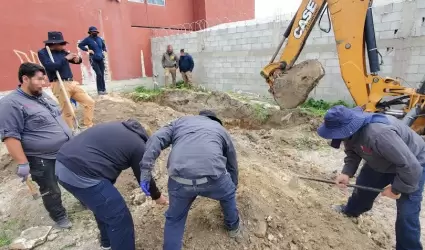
x=188, y=181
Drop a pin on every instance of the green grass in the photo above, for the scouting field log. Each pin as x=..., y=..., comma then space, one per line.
x=8, y=231
x=319, y=107
x=5, y=240
x=260, y=112
x=143, y=94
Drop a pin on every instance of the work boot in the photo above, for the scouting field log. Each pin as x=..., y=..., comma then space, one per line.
x=64, y=223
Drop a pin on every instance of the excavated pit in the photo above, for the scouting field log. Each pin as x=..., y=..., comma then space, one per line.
x=271, y=148
x=234, y=112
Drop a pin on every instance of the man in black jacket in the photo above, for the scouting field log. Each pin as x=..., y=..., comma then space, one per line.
x=186, y=66
x=88, y=167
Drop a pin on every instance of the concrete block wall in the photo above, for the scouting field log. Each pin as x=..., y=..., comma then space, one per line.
x=121, y=86
x=231, y=58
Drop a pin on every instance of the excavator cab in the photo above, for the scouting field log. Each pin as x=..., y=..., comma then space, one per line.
x=352, y=22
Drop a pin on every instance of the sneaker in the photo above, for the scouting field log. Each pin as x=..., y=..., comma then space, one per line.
x=339, y=208
x=64, y=223
x=237, y=232
x=105, y=248
x=342, y=210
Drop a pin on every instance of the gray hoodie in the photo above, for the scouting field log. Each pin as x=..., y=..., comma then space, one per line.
x=201, y=147
x=393, y=148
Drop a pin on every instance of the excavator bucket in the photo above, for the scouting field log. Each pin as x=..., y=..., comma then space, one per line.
x=292, y=88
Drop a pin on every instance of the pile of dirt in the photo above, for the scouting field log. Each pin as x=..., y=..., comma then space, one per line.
x=275, y=216
x=292, y=87
x=235, y=112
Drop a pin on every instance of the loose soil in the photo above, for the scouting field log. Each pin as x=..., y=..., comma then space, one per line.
x=292, y=87
x=271, y=148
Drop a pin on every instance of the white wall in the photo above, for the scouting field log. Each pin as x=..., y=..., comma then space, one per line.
x=232, y=57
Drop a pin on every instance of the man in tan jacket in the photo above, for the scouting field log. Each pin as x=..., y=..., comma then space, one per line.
x=60, y=63
x=170, y=63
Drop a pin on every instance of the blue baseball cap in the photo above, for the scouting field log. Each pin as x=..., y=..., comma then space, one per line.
x=341, y=122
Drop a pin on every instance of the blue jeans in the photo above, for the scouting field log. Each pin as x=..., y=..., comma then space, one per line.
x=407, y=226
x=111, y=213
x=181, y=197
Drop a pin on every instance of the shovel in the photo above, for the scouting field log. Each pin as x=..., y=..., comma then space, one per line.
x=294, y=183
x=65, y=93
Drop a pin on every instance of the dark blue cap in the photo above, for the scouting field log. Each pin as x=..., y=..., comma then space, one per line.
x=341, y=122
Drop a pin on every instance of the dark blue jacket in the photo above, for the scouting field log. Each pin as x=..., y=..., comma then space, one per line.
x=60, y=64
x=103, y=151
x=96, y=44
x=186, y=63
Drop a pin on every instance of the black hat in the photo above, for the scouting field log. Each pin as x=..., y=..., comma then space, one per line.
x=92, y=29
x=54, y=37
x=211, y=115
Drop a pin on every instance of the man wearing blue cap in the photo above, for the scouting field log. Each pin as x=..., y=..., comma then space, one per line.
x=202, y=162
x=96, y=47
x=394, y=161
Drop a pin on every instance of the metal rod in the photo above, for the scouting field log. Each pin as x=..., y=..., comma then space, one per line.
x=370, y=39
x=285, y=35
x=348, y=185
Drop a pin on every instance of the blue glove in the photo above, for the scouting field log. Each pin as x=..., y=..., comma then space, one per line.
x=73, y=102
x=145, y=187
x=23, y=171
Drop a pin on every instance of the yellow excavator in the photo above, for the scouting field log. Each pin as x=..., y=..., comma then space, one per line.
x=354, y=32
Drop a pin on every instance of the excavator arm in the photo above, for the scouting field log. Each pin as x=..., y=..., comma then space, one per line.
x=354, y=33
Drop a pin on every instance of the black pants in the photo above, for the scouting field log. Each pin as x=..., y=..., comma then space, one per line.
x=99, y=69
x=43, y=173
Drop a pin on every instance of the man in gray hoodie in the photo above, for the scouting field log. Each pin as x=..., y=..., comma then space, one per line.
x=170, y=63
x=395, y=161
x=202, y=162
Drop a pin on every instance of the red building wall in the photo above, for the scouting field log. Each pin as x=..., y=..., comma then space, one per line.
x=126, y=26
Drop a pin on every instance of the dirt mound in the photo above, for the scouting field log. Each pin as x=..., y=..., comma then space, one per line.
x=275, y=217
x=234, y=112
x=5, y=161
x=292, y=88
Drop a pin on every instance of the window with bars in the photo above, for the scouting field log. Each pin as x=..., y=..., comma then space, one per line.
x=157, y=2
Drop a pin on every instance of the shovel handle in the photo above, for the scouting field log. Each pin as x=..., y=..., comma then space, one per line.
x=348, y=185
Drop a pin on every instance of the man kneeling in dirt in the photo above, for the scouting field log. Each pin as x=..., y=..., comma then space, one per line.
x=202, y=162
x=33, y=130
x=395, y=162
x=88, y=166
